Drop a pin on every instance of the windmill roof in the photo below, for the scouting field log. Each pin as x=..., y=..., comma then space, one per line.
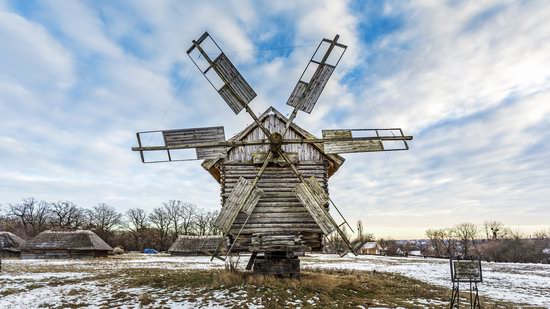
x=10, y=241
x=74, y=240
x=335, y=160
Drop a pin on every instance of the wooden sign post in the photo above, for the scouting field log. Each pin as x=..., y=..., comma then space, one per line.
x=466, y=271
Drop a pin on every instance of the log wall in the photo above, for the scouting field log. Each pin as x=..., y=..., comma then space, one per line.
x=278, y=210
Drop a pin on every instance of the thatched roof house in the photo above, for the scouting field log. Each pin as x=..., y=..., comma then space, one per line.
x=10, y=244
x=196, y=245
x=71, y=244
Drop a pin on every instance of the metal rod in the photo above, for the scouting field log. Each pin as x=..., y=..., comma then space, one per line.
x=342, y=216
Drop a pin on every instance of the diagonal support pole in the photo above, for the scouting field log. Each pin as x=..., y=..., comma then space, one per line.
x=301, y=178
x=254, y=183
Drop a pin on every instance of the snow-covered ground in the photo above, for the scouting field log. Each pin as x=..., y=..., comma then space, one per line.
x=514, y=282
x=29, y=283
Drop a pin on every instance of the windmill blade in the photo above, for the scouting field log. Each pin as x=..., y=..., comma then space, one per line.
x=209, y=143
x=314, y=198
x=364, y=140
x=221, y=73
x=244, y=197
x=316, y=74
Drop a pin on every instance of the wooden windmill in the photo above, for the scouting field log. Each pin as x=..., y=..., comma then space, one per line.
x=273, y=174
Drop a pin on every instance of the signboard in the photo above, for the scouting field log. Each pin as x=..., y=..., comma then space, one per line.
x=466, y=271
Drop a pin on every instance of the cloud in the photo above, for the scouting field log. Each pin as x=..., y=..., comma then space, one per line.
x=30, y=57
x=469, y=80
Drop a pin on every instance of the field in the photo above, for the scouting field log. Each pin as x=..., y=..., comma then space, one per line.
x=137, y=280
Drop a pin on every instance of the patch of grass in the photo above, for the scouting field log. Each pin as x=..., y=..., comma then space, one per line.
x=321, y=287
x=9, y=291
x=73, y=292
x=145, y=299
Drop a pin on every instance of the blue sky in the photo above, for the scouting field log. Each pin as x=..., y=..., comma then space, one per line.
x=469, y=80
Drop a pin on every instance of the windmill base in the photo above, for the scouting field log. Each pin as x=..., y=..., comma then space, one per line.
x=278, y=263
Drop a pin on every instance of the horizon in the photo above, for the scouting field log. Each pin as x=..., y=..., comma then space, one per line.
x=79, y=79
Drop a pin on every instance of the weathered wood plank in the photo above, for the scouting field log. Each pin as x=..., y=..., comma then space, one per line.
x=260, y=156
x=336, y=134
x=306, y=152
x=314, y=205
x=333, y=147
x=211, y=153
x=275, y=229
x=193, y=136
x=237, y=199
x=236, y=91
x=305, y=95
x=276, y=220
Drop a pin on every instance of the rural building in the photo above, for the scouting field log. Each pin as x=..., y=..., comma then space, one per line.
x=370, y=247
x=10, y=244
x=66, y=244
x=278, y=209
x=195, y=245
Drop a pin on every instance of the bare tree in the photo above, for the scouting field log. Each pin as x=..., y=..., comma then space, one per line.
x=541, y=234
x=495, y=230
x=389, y=246
x=66, y=215
x=160, y=220
x=443, y=241
x=212, y=229
x=33, y=215
x=137, y=224
x=181, y=216
x=361, y=236
x=437, y=237
x=188, y=218
x=201, y=222
x=103, y=219
x=174, y=209
x=204, y=222
x=137, y=219
x=466, y=234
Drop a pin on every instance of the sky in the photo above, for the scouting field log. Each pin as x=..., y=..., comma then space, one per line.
x=469, y=80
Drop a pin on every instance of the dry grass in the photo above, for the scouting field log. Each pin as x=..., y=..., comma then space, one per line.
x=343, y=289
x=158, y=287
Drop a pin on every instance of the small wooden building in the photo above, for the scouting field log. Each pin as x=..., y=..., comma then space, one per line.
x=65, y=244
x=278, y=210
x=196, y=245
x=370, y=247
x=10, y=244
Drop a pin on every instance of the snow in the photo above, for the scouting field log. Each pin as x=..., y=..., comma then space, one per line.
x=34, y=283
x=515, y=282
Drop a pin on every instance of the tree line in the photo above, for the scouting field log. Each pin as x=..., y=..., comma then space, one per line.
x=134, y=229
x=493, y=241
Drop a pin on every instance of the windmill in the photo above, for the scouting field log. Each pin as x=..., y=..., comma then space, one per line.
x=273, y=174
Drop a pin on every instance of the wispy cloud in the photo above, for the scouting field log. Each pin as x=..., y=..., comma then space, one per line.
x=469, y=80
